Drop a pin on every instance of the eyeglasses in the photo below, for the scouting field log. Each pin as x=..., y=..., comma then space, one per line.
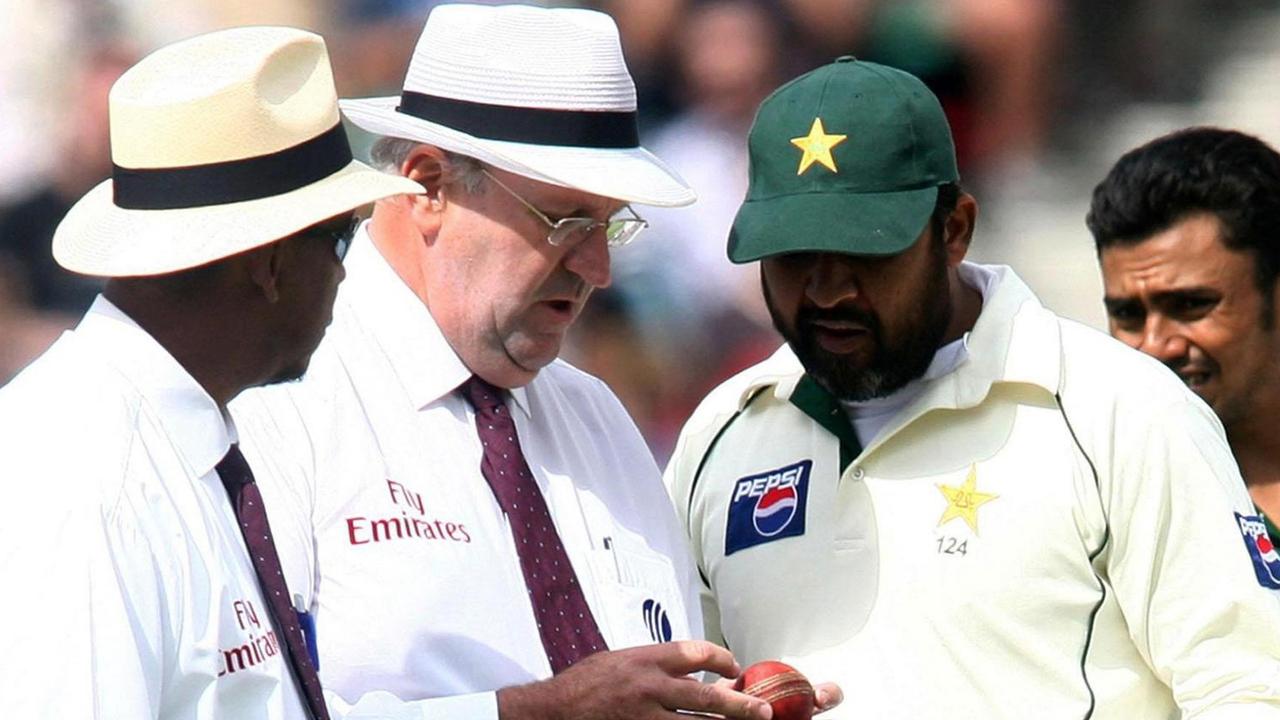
x=340, y=235
x=567, y=232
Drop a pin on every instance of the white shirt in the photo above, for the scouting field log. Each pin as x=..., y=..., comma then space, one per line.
x=371, y=471
x=128, y=590
x=1056, y=528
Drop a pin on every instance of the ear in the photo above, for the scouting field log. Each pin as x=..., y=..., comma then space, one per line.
x=958, y=228
x=427, y=165
x=264, y=265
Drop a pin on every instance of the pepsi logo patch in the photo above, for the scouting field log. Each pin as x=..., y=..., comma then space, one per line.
x=1266, y=561
x=767, y=507
x=656, y=621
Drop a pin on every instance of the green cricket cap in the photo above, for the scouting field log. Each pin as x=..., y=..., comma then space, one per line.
x=846, y=158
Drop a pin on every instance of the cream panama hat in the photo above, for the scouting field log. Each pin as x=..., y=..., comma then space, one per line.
x=220, y=143
x=540, y=92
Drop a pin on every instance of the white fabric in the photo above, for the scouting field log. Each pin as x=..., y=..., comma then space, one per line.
x=869, y=417
x=528, y=57
x=1106, y=576
x=128, y=591
x=371, y=471
x=497, y=56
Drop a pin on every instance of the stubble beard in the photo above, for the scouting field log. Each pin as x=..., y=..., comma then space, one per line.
x=892, y=365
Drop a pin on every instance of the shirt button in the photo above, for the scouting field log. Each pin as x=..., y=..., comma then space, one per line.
x=858, y=472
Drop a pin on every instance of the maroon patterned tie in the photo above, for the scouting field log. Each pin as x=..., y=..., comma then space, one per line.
x=237, y=478
x=568, y=630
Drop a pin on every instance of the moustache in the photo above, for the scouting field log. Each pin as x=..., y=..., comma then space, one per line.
x=807, y=316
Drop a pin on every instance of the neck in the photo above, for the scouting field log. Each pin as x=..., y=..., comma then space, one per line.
x=400, y=243
x=212, y=349
x=966, y=305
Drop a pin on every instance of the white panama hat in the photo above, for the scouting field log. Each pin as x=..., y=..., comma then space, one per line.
x=540, y=92
x=220, y=143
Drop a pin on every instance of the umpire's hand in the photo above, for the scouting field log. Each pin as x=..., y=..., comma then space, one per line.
x=643, y=683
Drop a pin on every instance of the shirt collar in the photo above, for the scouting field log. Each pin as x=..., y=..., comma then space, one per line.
x=198, y=428
x=402, y=327
x=1015, y=340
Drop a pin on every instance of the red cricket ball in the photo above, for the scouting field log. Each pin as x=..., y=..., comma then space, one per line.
x=780, y=685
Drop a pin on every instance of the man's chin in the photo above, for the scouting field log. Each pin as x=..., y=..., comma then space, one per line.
x=841, y=378
x=292, y=373
x=534, y=352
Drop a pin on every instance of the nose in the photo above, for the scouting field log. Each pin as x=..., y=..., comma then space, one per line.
x=1161, y=339
x=590, y=260
x=832, y=280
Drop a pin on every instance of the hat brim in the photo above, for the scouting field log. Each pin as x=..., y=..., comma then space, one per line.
x=99, y=238
x=850, y=223
x=633, y=175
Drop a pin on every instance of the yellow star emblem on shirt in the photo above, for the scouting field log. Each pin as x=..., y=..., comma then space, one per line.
x=964, y=501
x=817, y=147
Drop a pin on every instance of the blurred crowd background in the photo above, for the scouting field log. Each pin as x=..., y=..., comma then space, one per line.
x=1043, y=96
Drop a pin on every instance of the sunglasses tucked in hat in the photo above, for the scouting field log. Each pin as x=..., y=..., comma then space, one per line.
x=220, y=143
x=540, y=92
x=848, y=159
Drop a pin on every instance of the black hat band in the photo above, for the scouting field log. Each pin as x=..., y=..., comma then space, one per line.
x=534, y=126
x=234, y=180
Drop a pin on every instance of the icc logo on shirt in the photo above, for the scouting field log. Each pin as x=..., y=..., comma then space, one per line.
x=767, y=507
x=656, y=620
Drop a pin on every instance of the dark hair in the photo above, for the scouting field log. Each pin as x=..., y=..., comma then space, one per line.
x=1235, y=177
x=948, y=196
x=191, y=284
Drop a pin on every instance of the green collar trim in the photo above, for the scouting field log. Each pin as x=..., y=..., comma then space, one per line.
x=813, y=400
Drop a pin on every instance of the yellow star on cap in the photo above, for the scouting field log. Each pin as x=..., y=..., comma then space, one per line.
x=817, y=147
x=964, y=501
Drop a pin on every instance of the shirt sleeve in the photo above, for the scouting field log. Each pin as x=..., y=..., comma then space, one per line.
x=83, y=630
x=678, y=480
x=1181, y=571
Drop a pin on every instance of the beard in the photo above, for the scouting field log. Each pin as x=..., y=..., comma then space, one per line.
x=894, y=362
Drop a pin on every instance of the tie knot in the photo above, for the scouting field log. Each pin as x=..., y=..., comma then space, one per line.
x=233, y=468
x=482, y=395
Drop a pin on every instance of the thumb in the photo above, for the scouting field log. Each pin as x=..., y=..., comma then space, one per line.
x=827, y=696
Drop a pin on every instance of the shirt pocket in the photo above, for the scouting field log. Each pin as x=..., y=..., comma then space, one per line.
x=639, y=596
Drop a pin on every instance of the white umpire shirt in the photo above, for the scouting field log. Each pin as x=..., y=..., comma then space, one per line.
x=393, y=539
x=128, y=591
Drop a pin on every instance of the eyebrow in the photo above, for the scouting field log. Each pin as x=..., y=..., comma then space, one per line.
x=585, y=212
x=1164, y=296
x=582, y=210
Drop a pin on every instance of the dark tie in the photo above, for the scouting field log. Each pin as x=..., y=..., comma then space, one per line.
x=565, y=623
x=237, y=478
